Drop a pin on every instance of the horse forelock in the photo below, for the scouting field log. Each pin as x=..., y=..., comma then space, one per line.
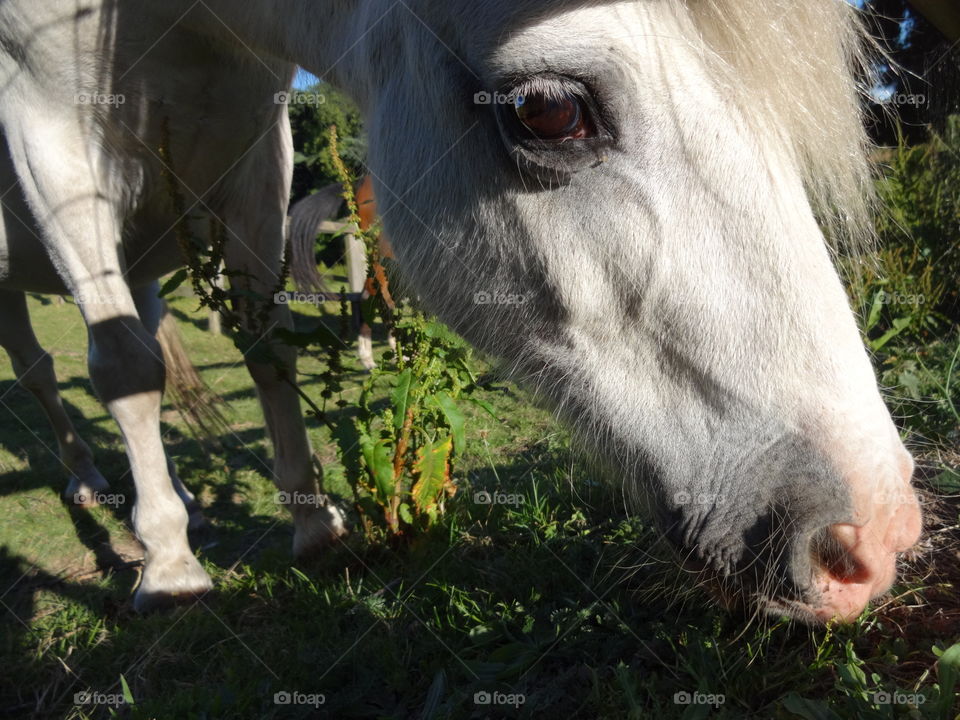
x=800, y=69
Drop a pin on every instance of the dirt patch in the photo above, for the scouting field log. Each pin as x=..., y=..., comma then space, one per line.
x=929, y=607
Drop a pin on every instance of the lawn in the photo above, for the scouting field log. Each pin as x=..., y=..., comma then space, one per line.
x=556, y=604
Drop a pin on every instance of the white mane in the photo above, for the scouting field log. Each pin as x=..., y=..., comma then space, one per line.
x=794, y=65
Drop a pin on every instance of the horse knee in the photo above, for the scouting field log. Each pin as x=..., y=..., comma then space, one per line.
x=125, y=361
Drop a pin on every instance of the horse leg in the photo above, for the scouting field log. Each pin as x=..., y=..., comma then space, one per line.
x=150, y=308
x=79, y=213
x=357, y=281
x=253, y=257
x=365, y=346
x=34, y=369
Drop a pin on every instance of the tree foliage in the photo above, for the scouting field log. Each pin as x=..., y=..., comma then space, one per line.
x=312, y=112
x=924, y=74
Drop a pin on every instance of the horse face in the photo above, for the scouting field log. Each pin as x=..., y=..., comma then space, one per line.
x=641, y=251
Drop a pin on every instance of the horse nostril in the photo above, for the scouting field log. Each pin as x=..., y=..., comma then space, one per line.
x=833, y=551
x=851, y=566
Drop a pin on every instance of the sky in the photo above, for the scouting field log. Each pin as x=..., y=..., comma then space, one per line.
x=304, y=79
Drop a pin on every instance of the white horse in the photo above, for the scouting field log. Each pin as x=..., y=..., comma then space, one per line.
x=636, y=239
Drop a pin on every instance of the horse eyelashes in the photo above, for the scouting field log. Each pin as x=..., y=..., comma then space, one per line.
x=552, y=127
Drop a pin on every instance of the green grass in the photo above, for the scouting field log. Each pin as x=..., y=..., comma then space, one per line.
x=563, y=598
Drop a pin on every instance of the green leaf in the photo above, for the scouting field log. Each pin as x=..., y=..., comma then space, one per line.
x=874, y=317
x=405, y=514
x=463, y=365
x=379, y=462
x=948, y=670
x=370, y=508
x=435, y=694
x=947, y=482
x=852, y=676
x=127, y=695
x=809, y=709
x=401, y=397
x=173, y=282
x=911, y=383
x=431, y=469
x=304, y=579
x=484, y=405
x=899, y=325
x=456, y=419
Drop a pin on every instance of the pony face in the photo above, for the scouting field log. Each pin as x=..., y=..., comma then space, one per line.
x=611, y=199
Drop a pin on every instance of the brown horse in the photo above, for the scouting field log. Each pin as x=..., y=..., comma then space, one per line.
x=307, y=217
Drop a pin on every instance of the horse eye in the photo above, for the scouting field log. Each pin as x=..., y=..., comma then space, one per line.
x=554, y=117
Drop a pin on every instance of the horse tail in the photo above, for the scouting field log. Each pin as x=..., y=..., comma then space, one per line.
x=199, y=405
x=305, y=217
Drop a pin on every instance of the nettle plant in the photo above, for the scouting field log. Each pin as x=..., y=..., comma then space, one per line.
x=407, y=449
x=400, y=458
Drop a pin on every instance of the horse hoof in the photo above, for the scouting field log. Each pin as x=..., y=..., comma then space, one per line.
x=317, y=531
x=144, y=603
x=85, y=487
x=174, y=582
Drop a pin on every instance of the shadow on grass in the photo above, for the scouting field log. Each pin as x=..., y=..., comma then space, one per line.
x=491, y=600
x=496, y=599
x=32, y=681
x=526, y=600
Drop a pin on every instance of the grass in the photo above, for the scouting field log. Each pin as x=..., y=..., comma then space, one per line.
x=562, y=601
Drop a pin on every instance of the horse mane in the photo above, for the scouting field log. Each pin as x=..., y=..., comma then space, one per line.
x=799, y=70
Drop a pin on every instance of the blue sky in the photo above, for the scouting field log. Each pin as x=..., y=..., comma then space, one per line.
x=304, y=79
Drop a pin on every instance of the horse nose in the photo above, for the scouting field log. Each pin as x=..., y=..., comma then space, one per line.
x=855, y=561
